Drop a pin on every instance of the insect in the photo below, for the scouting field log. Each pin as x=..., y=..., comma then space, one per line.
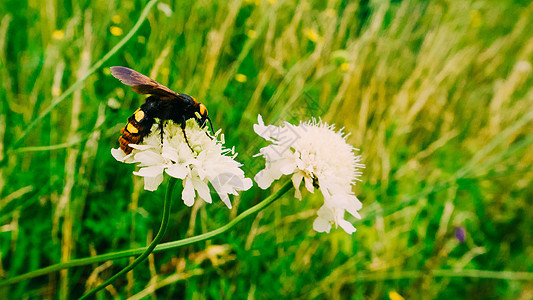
x=163, y=104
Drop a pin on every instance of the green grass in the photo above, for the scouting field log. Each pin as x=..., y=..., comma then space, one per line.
x=437, y=95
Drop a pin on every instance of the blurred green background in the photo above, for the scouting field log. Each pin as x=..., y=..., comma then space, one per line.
x=437, y=95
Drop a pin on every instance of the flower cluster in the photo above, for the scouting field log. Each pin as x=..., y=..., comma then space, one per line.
x=316, y=154
x=207, y=162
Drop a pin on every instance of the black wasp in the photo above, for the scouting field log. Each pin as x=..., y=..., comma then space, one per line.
x=163, y=104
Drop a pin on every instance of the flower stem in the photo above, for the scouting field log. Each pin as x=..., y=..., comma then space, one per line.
x=159, y=248
x=144, y=255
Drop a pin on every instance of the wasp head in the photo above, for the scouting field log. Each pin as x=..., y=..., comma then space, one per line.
x=203, y=116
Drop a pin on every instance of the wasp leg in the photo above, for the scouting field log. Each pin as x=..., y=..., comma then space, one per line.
x=183, y=124
x=161, y=125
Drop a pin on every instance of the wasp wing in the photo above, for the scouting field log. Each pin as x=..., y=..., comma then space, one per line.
x=142, y=84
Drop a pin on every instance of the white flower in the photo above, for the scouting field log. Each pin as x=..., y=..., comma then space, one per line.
x=209, y=163
x=320, y=157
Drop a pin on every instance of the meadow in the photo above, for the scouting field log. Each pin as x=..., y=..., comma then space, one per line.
x=437, y=95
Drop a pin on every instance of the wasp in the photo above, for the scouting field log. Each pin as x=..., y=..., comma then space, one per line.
x=162, y=104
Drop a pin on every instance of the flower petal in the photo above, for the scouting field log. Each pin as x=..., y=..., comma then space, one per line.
x=261, y=129
x=288, y=167
x=119, y=155
x=177, y=171
x=188, y=193
x=326, y=213
x=150, y=171
x=223, y=195
x=263, y=179
x=170, y=153
x=141, y=147
x=346, y=202
x=247, y=183
x=296, y=181
x=152, y=183
x=347, y=226
x=203, y=189
x=309, y=184
x=321, y=225
x=149, y=158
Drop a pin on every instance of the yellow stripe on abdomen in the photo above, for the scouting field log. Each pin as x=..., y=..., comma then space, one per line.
x=139, y=115
x=131, y=129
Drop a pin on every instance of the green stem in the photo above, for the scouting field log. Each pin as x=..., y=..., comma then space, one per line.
x=163, y=247
x=79, y=83
x=157, y=239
